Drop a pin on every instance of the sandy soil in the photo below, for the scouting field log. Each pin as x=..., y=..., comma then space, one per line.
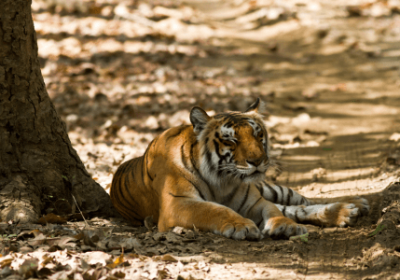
x=120, y=72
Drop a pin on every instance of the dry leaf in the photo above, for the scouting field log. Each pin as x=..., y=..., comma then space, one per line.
x=128, y=244
x=165, y=258
x=162, y=274
x=178, y=230
x=90, y=237
x=96, y=257
x=47, y=259
x=44, y=273
x=28, y=268
x=173, y=238
x=51, y=219
x=66, y=241
x=84, y=265
x=6, y=262
x=79, y=236
x=149, y=223
x=25, y=235
x=38, y=240
x=118, y=261
x=119, y=274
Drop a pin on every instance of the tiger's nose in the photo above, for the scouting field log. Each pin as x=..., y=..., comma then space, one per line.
x=256, y=162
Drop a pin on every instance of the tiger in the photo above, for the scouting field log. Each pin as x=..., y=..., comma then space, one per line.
x=211, y=175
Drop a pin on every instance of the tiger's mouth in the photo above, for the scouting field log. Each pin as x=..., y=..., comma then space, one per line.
x=251, y=174
x=255, y=177
x=245, y=173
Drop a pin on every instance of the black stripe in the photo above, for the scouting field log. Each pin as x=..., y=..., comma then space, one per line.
x=167, y=137
x=196, y=170
x=274, y=193
x=211, y=191
x=127, y=184
x=142, y=177
x=183, y=158
x=122, y=169
x=229, y=197
x=288, y=197
x=200, y=193
x=209, y=162
x=126, y=209
x=219, y=138
x=244, y=199
x=259, y=223
x=129, y=207
x=248, y=211
x=284, y=211
x=229, y=124
x=291, y=194
x=192, y=158
x=154, y=142
x=260, y=188
x=302, y=210
x=121, y=201
x=148, y=147
x=280, y=202
x=178, y=195
x=217, y=151
x=148, y=174
x=303, y=201
x=147, y=168
x=221, y=157
x=197, y=188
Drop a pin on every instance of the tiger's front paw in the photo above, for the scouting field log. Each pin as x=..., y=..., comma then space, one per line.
x=360, y=203
x=282, y=226
x=341, y=214
x=241, y=229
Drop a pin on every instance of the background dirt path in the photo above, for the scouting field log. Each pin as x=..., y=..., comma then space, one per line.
x=120, y=72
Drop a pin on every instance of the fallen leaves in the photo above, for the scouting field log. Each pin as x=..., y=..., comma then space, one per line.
x=29, y=268
x=52, y=219
x=119, y=73
x=6, y=262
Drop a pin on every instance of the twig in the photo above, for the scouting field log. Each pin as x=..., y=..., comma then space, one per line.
x=76, y=203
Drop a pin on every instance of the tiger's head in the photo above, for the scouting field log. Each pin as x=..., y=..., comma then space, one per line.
x=233, y=145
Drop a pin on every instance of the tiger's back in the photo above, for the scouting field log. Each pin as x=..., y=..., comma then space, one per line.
x=133, y=191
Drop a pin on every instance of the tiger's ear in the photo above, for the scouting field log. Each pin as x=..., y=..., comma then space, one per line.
x=199, y=119
x=257, y=107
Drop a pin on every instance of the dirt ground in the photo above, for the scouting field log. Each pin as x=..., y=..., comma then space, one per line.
x=120, y=72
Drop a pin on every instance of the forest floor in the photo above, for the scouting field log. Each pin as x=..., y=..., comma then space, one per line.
x=120, y=72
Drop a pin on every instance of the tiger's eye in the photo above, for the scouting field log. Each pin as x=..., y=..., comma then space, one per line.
x=229, y=143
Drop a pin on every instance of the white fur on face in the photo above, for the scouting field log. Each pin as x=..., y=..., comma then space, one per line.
x=227, y=131
x=256, y=131
x=255, y=126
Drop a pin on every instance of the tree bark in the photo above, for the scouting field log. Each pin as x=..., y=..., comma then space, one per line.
x=39, y=170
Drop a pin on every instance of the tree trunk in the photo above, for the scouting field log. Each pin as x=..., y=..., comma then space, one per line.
x=40, y=172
